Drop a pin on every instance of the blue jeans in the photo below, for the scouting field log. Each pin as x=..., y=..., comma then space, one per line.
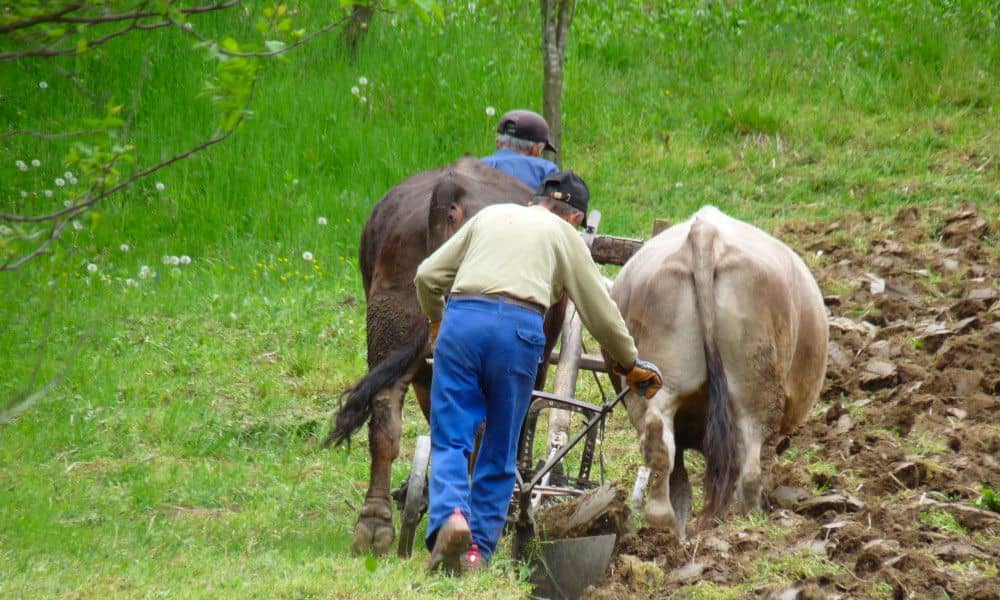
x=485, y=360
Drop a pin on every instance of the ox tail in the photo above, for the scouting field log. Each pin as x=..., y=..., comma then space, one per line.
x=719, y=442
x=357, y=403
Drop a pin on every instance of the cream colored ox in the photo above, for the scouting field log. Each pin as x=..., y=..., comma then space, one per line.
x=736, y=322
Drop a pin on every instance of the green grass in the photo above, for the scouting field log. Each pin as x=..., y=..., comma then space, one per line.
x=178, y=456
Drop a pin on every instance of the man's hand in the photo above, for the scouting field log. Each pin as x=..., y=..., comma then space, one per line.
x=645, y=378
x=433, y=327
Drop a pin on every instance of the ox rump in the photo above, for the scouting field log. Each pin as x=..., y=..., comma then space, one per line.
x=736, y=322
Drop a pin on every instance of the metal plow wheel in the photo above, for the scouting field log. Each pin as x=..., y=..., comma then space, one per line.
x=415, y=504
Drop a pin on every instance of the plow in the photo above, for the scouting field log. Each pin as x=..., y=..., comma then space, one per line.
x=563, y=567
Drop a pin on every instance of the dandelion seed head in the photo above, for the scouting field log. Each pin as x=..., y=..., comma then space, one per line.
x=185, y=259
x=67, y=203
x=490, y=111
x=307, y=256
x=131, y=282
x=188, y=26
x=43, y=84
x=24, y=194
x=47, y=193
x=60, y=182
x=124, y=247
x=69, y=175
x=21, y=165
x=321, y=221
x=145, y=272
x=363, y=100
x=159, y=186
x=72, y=180
x=36, y=163
x=355, y=90
x=363, y=80
x=77, y=225
x=91, y=268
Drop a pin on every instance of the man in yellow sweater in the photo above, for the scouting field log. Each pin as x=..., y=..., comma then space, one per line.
x=501, y=272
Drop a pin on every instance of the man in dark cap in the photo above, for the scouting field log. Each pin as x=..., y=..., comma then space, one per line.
x=498, y=288
x=522, y=135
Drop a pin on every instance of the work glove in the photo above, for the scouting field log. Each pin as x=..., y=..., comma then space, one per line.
x=433, y=327
x=644, y=378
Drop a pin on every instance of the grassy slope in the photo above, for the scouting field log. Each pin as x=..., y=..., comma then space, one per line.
x=179, y=456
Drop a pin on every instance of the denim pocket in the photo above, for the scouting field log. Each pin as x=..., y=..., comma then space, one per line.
x=533, y=338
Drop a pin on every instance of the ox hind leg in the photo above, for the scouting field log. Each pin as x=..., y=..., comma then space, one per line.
x=374, y=531
x=656, y=436
x=387, y=325
x=680, y=494
x=756, y=403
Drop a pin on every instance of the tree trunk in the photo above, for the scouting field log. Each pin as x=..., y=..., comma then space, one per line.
x=556, y=17
x=357, y=26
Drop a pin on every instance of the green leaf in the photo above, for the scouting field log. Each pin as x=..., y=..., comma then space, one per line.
x=370, y=563
x=275, y=45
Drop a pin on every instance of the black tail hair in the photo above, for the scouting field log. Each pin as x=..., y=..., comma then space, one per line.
x=357, y=403
x=719, y=443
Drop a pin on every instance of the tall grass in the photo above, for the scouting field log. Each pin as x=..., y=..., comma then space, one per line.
x=178, y=456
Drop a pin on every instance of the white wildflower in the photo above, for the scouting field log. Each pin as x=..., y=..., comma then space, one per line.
x=77, y=225
x=43, y=84
x=188, y=26
x=307, y=256
x=21, y=165
x=91, y=268
x=185, y=259
x=131, y=282
x=47, y=193
x=490, y=111
x=363, y=80
x=124, y=247
x=67, y=203
x=36, y=163
x=363, y=100
x=355, y=90
x=69, y=175
x=145, y=272
x=159, y=186
x=72, y=180
x=60, y=182
x=24, y=194
x=321, y=221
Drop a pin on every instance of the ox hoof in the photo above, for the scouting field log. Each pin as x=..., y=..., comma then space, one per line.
x=660, y=515
x=374, y=532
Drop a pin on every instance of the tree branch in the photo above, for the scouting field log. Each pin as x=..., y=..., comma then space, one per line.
x=45, y=18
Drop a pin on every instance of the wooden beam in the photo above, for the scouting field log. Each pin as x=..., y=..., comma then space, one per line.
x=590, y=362
x=611, y=250
x=659, y=225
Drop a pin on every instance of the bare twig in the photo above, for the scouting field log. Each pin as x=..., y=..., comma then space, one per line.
x=49, y=136
x=39, y=19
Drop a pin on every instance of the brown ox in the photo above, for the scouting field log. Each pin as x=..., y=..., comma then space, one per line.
x=410, y=222
x=736, y=322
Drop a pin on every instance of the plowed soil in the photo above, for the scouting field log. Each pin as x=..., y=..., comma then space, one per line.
x=880, y=493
